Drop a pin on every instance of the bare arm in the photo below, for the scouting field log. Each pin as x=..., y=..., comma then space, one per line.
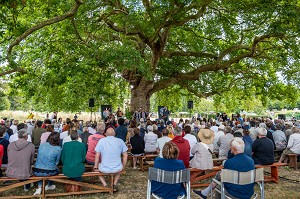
x=96, y=160
x=124, y=159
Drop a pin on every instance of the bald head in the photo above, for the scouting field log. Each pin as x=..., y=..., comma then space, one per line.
x=110, y=132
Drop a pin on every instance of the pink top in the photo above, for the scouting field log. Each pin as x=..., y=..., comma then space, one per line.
x=44, y=137
x=92, y=142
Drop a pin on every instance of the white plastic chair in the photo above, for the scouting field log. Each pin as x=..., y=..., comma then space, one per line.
x=169, y=177
x=240, y=178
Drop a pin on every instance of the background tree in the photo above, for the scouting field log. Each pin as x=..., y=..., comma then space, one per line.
x=206, y=47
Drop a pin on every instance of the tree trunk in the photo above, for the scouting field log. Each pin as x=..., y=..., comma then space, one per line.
x=140, y=95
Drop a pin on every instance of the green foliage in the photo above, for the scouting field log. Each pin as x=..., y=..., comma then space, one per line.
x=243, y=53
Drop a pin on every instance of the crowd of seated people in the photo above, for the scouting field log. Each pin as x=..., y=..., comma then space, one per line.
x=72, y=144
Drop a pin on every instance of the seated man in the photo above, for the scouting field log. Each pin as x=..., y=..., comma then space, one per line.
x=92, y=142
x=263, y=148
x=111, y=149
x=241, y=163
x=20, y=158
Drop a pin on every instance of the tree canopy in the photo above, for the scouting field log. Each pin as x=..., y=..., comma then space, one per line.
x=60, y=53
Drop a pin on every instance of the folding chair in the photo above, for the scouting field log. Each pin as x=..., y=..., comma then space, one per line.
x=169, y=177
x=240, y=178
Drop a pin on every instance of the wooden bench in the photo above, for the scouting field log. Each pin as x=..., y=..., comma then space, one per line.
x=60, y=179
x=197, y=175
x=142, y=159
x=293, y=161
x=274, y=171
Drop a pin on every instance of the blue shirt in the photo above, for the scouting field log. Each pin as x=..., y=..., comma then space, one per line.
x=168, y=191
x=48, y=157
x=121, y=132
x=110, y=149
x=242, y=163
x=248, y=145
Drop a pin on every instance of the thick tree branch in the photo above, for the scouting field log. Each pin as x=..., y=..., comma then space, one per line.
x=216, y=66
x=12, y=71
x=48, y=22
x=188, y=54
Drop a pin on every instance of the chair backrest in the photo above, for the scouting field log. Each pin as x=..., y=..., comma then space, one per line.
x=242, y=178
x=169, y=177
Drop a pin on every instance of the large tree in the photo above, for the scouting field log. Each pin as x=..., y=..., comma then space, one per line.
x=204, y=46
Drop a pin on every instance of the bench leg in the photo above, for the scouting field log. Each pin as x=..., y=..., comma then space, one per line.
x=293, y=161
x=274, y=174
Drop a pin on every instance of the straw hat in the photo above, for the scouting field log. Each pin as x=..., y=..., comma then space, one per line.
x=206, y=136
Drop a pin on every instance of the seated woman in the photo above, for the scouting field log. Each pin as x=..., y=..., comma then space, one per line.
x=150, y=141
x=47, y=160
x=138, y=145
x=169, y=162
x=73, y=157
x=202, y=151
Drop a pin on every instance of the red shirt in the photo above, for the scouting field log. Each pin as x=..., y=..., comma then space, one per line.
x=184, y=150
x=92, y=142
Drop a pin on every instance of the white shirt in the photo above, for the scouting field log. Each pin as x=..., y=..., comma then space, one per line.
x=30, y=127
x=91, y=130
x=15, y=137
x=161, y=143
x=68, y=139
x=14, y=128
x=214, y=129
x=217, y=136
x=294, y=143
x=192, y=141
x=63, y=135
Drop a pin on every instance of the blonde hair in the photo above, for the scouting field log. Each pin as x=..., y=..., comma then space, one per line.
x=170, y=150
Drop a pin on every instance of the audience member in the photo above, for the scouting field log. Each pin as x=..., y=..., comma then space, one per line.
x=279, y=137
x=20, y=158
x=111, y=148
x=44, y=136
x=241, y=163
x=137, y=146
x=37, y=133
x=224, y=142
x=93, y=141
x=121, y=131
x=85, y=136
x=150, y=140
x=73, y=157
x=190, y=138
x=47, y=160
x=161, y=141
x=169, y=162
x=203, y=150
x=15, y=137
x=263, y=149
x=293, y=146
x=183, y=146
